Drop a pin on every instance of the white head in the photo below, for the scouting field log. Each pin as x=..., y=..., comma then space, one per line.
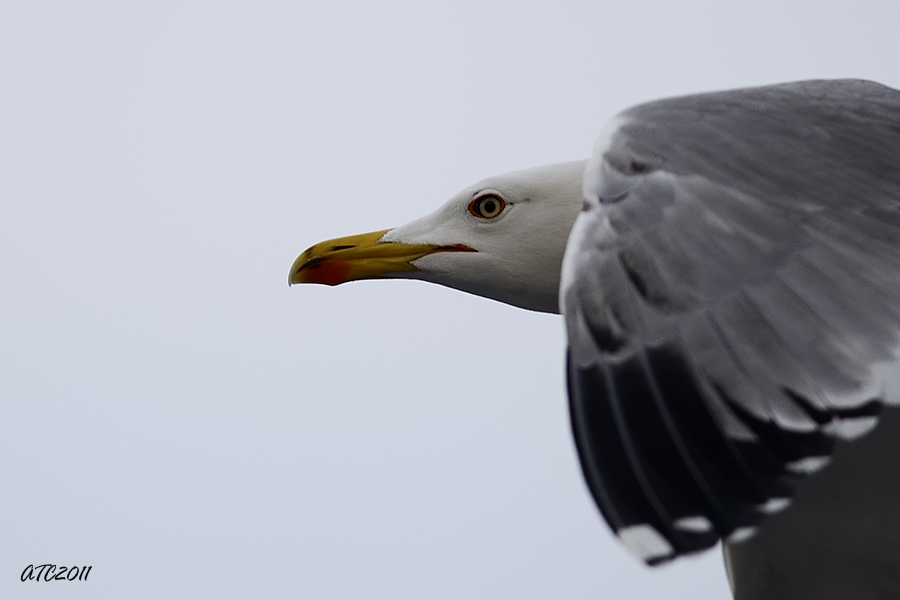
x=502, y=238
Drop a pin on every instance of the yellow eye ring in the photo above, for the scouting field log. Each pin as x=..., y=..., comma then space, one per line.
x=488, y=206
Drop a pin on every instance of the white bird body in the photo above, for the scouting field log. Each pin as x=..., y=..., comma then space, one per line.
x=731, y=290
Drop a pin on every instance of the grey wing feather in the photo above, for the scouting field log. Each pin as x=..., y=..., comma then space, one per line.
x=731, y=290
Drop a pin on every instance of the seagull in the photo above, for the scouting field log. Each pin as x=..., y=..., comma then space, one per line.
x=728, y=268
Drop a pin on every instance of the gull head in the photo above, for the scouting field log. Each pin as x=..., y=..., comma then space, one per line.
x=502, y=238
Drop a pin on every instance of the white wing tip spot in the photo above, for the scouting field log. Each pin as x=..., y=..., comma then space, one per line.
x=741, y=534
x=774, y=505
x=851, y=429
x=696, y=524
x=645, y=541
x=808, y=465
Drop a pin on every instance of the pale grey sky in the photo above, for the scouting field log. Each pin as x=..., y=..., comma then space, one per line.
x=173, y=415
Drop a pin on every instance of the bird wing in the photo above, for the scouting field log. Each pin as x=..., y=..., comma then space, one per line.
x=731, y=291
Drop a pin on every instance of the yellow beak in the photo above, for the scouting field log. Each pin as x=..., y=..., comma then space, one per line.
x=362, y=256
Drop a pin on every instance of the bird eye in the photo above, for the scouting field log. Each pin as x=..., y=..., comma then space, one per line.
x=487, y=206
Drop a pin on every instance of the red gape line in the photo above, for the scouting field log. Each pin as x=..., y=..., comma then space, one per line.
x=455, y=248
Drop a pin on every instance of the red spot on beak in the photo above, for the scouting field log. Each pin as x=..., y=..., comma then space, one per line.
x=328, y=273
